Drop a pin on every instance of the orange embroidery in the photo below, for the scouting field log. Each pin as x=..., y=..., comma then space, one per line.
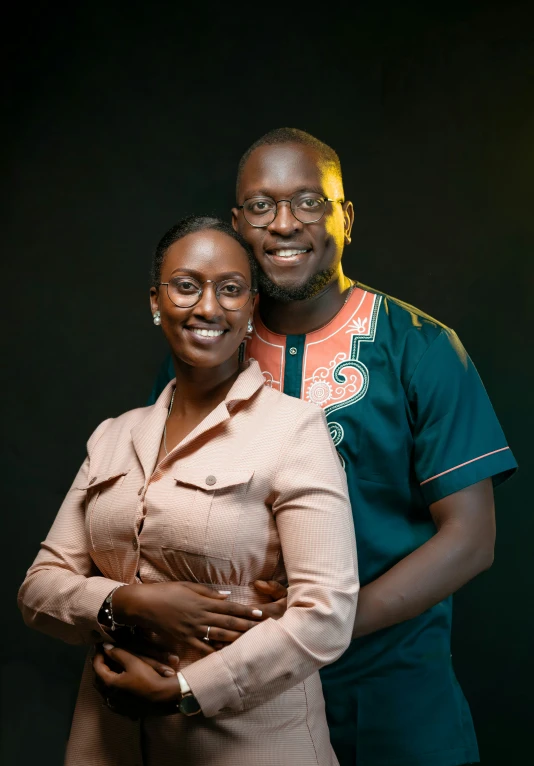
x=333, y=377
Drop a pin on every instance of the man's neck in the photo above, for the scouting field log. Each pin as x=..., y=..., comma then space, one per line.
x=302, y=317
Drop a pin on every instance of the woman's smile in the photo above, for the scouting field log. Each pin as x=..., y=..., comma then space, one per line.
x=205, y=335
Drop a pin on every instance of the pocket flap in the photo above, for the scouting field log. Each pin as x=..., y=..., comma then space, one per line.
x=203, y=478
x=96, y=481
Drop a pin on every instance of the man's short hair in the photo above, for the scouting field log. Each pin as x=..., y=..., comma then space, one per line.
x=292, y=136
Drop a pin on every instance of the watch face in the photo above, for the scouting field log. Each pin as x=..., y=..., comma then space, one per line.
x=189, y=705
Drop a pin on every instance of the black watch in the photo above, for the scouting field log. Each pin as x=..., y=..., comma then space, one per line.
x=188, y=705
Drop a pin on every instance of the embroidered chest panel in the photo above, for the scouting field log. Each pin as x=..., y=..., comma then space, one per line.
x=333, y=375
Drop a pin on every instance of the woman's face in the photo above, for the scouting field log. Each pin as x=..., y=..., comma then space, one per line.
x=201, y=256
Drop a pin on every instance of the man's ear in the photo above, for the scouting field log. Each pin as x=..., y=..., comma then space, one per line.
x=348, y=220
x=235, y=214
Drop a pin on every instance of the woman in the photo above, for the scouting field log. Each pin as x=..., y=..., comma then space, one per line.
x=178, y=506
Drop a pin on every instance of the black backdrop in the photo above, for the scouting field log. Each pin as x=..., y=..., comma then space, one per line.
x=123, y=117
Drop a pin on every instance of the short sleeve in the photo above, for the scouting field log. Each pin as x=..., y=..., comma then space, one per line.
x=458, y=440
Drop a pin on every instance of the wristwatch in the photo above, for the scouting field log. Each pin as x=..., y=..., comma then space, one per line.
x=189, y=704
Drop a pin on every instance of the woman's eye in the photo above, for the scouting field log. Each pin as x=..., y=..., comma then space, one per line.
x=186, y=287
x=231, y=289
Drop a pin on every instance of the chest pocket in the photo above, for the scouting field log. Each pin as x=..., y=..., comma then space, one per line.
x=205, y=517
x=102, y=494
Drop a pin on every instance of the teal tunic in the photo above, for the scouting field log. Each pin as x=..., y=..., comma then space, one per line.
x=412, y=423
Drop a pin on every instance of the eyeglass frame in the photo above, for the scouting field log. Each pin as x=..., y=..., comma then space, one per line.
x=251, y=291
x=277, y=202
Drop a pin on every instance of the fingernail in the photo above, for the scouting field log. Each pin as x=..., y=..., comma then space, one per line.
x=169, y=673
x=173, y=657
x=225, y=592
x=107, y=646
x=257, y=612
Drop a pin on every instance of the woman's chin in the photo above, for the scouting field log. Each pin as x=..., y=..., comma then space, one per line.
x=205, y=359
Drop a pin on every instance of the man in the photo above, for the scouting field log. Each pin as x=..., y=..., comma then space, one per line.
x=417, y=436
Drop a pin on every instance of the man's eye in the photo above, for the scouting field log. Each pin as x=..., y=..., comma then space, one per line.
x=310, y=202
x=260, y=206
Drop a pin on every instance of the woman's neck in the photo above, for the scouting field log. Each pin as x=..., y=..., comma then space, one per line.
x=201, y=389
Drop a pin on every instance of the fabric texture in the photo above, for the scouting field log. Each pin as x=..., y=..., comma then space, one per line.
x=256, y=491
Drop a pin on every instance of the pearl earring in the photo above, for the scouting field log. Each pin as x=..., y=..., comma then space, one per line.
x=156, y=317
x=250, y=326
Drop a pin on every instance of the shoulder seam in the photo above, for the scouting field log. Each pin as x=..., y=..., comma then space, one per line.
x=425, y=352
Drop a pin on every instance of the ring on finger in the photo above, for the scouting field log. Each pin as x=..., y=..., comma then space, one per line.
x=206, y=638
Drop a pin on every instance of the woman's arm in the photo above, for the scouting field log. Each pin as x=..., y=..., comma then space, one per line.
x=63, y=592
x=314, y=521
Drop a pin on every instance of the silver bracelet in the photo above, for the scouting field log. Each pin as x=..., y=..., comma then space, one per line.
x=108, y=609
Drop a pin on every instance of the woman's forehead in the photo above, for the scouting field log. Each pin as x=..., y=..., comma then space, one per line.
x=207, y=250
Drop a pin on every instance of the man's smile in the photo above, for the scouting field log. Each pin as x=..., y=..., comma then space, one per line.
x=287, y=254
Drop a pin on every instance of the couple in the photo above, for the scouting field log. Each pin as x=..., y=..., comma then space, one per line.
x=228, y=483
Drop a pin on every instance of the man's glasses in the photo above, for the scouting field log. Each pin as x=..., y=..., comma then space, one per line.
x=232, y=294
x=307, y=207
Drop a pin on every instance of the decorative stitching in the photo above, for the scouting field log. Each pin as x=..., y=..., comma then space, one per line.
x=502, y=449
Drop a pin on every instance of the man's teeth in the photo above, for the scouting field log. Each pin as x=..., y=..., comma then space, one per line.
x=207, y=333
x=288, y=253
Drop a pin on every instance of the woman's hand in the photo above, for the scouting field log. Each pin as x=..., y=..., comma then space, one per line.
x=183, y=612
x=134, y=675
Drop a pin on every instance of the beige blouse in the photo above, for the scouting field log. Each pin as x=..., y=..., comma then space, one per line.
x=256, y=491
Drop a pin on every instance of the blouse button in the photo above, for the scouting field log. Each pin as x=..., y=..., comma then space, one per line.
x=211, y=480
x=93, y=480
x=292, y=350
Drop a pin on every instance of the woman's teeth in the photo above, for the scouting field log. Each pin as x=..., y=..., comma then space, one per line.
x=207, y=333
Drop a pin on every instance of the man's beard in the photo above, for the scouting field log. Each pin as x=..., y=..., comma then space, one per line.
x=309, y=289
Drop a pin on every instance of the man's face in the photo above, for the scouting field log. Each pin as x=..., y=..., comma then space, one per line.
x=280, y=171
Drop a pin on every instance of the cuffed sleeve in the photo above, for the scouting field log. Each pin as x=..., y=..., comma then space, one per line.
x=314, y=522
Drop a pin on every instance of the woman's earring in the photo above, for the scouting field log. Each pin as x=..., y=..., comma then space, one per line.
x=156, y=316
x=250, y=326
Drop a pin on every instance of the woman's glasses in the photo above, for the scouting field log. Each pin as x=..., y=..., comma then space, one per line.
x=232, y=294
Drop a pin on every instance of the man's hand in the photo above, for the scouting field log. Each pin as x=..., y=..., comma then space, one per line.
x=123, y=702
x=278, y=593
x=119, y=671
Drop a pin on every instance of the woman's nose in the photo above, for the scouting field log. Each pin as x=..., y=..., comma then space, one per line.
x=208, y=305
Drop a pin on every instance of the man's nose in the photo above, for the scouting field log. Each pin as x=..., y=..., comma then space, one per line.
x=285, y=222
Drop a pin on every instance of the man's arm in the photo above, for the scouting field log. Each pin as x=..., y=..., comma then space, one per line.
x=461, y=548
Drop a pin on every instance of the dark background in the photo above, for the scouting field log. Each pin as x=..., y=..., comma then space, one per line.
x=119, y=118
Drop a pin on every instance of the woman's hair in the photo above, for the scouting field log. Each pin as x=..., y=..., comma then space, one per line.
x=191, y=225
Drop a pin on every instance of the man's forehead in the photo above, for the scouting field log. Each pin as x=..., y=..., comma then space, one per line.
x=285, y=169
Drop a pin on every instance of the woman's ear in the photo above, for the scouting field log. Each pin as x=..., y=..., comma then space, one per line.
x=154, y=300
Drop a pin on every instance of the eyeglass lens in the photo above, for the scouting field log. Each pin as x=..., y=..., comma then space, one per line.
x=306, y=207
x=232, y=294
